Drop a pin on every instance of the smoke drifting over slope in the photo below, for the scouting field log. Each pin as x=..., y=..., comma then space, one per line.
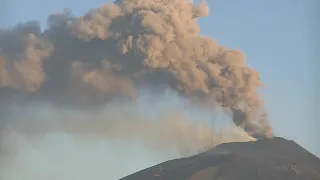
x=42, y=140
x=162, y=128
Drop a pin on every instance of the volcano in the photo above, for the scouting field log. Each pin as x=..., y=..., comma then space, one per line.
x=264, y=159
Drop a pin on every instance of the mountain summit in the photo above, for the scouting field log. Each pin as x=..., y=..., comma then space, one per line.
x=264, y=159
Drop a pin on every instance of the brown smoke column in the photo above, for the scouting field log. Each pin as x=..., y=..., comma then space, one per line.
x=117, y=48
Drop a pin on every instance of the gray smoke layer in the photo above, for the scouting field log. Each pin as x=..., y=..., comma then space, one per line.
x=113, y=50
x=42, y=140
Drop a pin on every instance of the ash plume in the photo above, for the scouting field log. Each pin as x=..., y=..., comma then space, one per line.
x=114, y=50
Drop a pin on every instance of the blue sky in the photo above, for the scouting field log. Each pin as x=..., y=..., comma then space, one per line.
x=278, y=37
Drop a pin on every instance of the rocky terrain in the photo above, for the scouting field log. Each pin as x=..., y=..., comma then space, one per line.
x=265, y=159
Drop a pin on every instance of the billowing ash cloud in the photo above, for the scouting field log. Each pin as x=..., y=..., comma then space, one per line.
x=114, y=50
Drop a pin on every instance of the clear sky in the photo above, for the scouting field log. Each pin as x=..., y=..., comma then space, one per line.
x=279, y=38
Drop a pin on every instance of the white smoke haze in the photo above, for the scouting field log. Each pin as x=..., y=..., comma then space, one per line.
x=40, y=140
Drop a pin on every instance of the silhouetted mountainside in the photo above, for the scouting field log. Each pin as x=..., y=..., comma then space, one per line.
x=265, y=159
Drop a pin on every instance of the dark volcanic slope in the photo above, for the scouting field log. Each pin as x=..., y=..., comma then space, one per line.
x=273, y=159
